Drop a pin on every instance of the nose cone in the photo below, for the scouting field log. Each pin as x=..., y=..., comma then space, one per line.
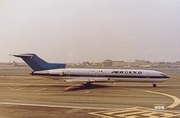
x=165, y=76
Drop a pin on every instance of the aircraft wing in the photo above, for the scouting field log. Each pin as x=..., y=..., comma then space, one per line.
x=87, y=80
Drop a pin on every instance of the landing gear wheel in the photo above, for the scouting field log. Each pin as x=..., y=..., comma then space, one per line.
x=154, y=85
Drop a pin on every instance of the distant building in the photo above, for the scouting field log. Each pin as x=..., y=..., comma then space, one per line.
x=145, y=66
x=19, y=64
x=108, y=63
x=142, y=62
x=86, y=63
x=119, y=64
x=178, y=62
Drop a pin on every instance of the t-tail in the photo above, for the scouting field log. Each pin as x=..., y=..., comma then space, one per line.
x=37, y=64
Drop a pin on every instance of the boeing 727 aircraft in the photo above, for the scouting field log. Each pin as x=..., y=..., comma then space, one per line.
x=88, y=76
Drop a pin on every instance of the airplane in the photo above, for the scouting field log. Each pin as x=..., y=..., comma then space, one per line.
x=88, y=76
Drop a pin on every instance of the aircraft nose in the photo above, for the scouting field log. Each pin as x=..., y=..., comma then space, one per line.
x=165, y=76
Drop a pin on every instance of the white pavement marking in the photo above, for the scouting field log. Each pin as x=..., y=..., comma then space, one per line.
x=19, y=89
x=39, y=89
x=70, y=87
x=176, y=99
x=54, y=106
x=87, y=91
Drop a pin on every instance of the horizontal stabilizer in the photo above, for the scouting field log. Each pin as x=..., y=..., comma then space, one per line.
x=23, y=55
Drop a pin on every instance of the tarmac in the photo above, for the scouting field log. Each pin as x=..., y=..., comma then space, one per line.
x=23, y=95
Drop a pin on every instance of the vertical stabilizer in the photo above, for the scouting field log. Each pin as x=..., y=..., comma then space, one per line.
x=37, y=63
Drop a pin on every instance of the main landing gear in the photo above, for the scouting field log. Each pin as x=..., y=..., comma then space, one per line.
x=154, y=85
x=88, y=84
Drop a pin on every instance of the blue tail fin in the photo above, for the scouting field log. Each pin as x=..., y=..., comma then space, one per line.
x=38, y=64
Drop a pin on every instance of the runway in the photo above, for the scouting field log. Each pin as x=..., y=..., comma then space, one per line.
x=23, y=95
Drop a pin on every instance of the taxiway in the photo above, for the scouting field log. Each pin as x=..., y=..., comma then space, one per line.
x=22, y=95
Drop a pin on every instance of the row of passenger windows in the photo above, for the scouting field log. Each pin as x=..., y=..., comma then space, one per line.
x=96, y=74
x=87, y=73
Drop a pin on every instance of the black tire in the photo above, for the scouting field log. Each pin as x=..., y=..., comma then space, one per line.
x=154, y=85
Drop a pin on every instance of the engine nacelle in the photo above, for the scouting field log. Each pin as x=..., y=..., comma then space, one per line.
x=47, y=73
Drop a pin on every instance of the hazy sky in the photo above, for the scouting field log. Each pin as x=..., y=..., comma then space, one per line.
x=90, y=30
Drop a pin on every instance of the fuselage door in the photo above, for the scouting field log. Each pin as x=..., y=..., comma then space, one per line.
x=147, y=75
x=68, y=73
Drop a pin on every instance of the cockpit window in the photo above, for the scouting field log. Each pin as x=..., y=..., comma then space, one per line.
x=163, y=74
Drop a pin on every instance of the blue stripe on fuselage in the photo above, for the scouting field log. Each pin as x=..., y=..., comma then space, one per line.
x=106, y=76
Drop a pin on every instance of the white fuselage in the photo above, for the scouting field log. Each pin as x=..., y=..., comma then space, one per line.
x=104, y=75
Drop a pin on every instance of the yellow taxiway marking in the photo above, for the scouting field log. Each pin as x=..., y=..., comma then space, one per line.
x=176, y=99
x=39, y=89
x=136, y=112
x=115, y=112
x=101, y=114
x=132, y=114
